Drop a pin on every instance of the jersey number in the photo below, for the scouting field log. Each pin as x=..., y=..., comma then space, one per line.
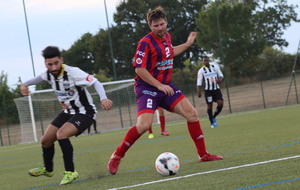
x=167, y=52
x=149, y=103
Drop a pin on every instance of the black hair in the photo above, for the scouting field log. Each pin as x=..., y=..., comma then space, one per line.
x=50, y=52
x=205, y=57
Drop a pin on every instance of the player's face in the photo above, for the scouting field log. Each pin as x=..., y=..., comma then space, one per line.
x=159, y=28
x=206, y=61
x=54, y=65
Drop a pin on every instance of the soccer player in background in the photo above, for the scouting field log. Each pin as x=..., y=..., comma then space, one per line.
x=153, y=64
x=162, y=122
x=78, y=110
x=212, y=76
x=95, y=128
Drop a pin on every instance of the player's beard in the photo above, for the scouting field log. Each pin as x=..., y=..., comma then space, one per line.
x=160, y=34
x=55, y=73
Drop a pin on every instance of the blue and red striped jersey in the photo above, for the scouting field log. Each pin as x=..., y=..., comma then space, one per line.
x=156, y=55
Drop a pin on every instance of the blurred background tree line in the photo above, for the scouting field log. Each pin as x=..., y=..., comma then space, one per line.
x=251, y=34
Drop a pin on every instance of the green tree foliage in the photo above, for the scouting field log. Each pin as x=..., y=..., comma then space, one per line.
x=42, y=86
x=80, y=54
x=271, y=17
x=274, y=62
x=245, y=29
x=8, y=109
x=101, y=48
x=239, y=38
x=102, y=76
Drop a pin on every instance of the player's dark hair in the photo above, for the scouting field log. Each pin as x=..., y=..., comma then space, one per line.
x=205, y=57
x=156, y=14
x=50, y=52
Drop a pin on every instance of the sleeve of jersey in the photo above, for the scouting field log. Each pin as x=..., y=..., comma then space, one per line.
x=34, y=81
x=199, y=78
x=220, y=74
x=100, y=90
x=141, y=54
x=82, y=79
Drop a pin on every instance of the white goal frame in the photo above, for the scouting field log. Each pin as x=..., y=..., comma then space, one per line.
x=51, y=90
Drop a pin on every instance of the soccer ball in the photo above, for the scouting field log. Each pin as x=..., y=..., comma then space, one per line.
x=167, y=164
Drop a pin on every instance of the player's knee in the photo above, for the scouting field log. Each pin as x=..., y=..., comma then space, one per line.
x=61, y=135
x=46, y=142
x=209, y=106
x=192, y=115
x=143, y=127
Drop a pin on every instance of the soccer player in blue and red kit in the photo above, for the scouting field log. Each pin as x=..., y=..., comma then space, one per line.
x=153, y=64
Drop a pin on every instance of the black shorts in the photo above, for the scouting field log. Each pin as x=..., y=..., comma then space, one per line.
x=81, y=121
x=213, y=96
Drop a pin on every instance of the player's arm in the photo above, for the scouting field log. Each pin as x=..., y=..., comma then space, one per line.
x=199, y=91
x=148, y=78
x=190, y=40
x=219, y=80
x=106, y=103
x=24, y=86
x=220, y=75
x=199, y=83
x=83, y=79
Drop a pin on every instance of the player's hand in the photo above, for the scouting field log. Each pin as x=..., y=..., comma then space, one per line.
x=219, y=80
x=199, y=94
x=191, y=38
x=106, y=104
x=166, y=89
x=24, y=90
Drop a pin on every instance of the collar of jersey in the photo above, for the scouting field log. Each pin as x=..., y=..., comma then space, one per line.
x=62, y=70
x=161, y=39
x=208, y=66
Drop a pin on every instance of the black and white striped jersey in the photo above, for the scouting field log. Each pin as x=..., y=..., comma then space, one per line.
x=210, y=75
x=70, y=89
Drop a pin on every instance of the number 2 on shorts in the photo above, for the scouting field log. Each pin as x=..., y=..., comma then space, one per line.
x=149, y=103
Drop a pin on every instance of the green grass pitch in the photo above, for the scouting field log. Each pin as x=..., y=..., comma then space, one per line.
x=260, y=150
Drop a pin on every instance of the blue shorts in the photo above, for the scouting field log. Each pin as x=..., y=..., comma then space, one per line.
x=149, y=98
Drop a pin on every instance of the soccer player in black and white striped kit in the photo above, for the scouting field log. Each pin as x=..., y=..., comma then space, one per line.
x=78, y=110
x=212, y=76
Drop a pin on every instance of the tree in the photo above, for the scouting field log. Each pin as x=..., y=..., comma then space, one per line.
x=101, y=48
x=102, y=76
x=239, y=38
x=80, y=54
x=244, y=34
x=271, y=18
x=8, y=109
x=274, y=62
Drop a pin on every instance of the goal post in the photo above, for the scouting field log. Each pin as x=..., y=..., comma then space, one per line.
x=293, y=79
x=41, y=107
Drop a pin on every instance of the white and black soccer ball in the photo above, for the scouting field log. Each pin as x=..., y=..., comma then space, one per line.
x=167, y=164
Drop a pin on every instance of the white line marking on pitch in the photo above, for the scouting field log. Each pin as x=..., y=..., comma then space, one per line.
x=212, y=171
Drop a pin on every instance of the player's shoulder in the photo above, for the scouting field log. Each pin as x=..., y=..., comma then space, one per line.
x=214, y=65
x=168, y=35
x=72, y=69
x=203, y=67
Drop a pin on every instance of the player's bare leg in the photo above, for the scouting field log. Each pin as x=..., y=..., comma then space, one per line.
x=133, y=134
